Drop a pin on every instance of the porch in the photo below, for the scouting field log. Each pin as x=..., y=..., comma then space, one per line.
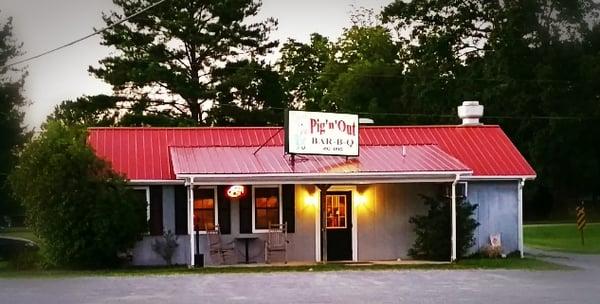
x=363, y=223
x=336, y=208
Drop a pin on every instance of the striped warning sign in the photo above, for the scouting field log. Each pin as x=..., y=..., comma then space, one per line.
x=580, y=217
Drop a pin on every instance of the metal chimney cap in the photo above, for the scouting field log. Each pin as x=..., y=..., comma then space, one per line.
x=470, y=112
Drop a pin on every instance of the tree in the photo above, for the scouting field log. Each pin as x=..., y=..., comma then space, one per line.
x=82, y=211
x=357, y=73
x=172, y=58
x=365, y=76
x=87, y=111
x=103, y=111
x=433, y=229
x=248, y=93
x=12, y=103
x=301, y=67
x=521, y=59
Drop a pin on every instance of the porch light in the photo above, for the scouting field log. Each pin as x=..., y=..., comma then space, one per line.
x=311, y=200
x=236, y=191
x=360, y=199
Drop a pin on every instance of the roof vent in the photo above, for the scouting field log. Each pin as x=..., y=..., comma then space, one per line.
x=470, y=112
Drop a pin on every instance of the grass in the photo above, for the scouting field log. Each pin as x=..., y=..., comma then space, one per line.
x=511, y=263
x=19, y=232
x=563, y=237
x=465, y=264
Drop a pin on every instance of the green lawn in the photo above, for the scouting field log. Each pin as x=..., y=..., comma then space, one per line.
x=563, y=237
x=510, y=263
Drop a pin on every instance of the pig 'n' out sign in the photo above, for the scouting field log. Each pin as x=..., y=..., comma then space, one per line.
x=321, y=133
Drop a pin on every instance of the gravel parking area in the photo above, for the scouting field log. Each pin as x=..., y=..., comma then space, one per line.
x=405, y=286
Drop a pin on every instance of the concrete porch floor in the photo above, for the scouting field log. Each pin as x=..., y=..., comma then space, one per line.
x=346, y=263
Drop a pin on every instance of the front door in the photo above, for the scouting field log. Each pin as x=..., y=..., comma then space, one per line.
x=339, y=225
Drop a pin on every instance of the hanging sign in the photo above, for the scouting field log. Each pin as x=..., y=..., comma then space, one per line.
x=321, y=133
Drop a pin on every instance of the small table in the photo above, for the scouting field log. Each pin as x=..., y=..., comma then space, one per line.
x=246, y=239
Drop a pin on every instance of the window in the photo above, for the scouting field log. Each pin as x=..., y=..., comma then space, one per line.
x=267, y=209
x=336, y=211
x=204, y=209
x=142, y=194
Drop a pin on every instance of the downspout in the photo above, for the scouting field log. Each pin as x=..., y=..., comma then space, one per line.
x=453, y=211
x=520, y=216
x=190, y=210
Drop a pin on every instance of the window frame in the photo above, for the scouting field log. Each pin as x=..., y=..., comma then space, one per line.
x=345, y=212
x=280, y=206
x=147, y=189
x=216, y=206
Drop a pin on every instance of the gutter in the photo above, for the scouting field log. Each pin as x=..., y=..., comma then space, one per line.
x=520, y=216
x=330, y=178
x=453, y=252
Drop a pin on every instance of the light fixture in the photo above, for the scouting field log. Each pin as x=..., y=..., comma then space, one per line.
x=311, y=200
x=360, y=199
x=236, y=191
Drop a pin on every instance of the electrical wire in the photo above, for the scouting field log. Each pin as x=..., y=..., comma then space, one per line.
x=424, y=115
x=85, y=37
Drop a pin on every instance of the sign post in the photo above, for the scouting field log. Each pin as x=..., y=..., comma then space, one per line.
x=581, y=221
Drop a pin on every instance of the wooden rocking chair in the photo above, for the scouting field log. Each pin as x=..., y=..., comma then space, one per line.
x=276, y=241
x=216, y=245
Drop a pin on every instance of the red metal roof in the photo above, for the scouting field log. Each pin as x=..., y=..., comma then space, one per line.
x=242, y=160
x=143, y=153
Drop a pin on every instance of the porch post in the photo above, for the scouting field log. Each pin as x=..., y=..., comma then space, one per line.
x=453, y=208
x=191, y=219
x=323, y=197
x=520, y=216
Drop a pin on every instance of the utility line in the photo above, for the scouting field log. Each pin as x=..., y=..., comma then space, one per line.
x=87, y=36
x=423, y=115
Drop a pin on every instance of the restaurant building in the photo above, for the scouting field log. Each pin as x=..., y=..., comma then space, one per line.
x=325, y=175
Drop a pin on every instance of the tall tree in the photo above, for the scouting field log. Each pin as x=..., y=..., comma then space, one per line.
x=522, y=59
x=104, y=111
x=302, y=65
x=11, y=114
x=248, y=93
x=359, y=72
x=168, y=58
x=88, y=111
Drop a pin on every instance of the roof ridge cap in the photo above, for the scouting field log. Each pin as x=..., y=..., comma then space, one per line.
x=427, y=126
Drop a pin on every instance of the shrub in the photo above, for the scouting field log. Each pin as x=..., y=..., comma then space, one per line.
x=82, y=211
x=433, y=229
x=492, y=252
x=166, y=246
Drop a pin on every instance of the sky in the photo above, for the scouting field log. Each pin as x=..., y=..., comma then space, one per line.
x=45, y=24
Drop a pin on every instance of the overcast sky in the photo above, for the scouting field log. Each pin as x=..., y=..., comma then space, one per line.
x=45, y=24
